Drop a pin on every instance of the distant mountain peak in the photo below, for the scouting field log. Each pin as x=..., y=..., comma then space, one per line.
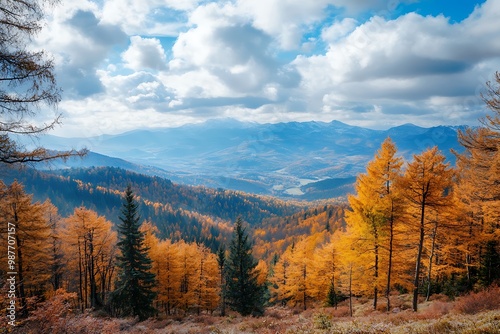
x=224, y=122
x=341, y=124
x=407, y=125
x=271, y=157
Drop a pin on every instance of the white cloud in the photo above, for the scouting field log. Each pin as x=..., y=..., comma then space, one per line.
x=81, y=44
x=224, y=47
x=338, y=30
x=413, y=67
x=284, y=19
x=144, y=17
x=145, y=53
x=268, y=60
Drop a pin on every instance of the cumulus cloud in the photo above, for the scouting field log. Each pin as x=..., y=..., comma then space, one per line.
x=146, y=17
x=145, y=53
x=385, y=63
x=285, y=19
x=223, y=46
x=338, y=29
x=358, y=61
x=80, y=43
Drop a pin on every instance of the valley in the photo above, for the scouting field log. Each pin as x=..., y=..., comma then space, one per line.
x=304, y=161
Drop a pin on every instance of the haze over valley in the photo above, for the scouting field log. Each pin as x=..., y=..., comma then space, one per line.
x=308, y=160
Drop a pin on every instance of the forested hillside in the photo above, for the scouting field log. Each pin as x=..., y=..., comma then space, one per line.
x=274, y=235
x=179, y=212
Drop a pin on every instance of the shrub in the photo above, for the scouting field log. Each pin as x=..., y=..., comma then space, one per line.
x=473, y=303
x=322, y=321
x=50, y=316
x=437, y=309
x=273, y=313
x=341, y=311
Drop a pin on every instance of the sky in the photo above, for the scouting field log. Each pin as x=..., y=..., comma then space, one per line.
x=127, y=64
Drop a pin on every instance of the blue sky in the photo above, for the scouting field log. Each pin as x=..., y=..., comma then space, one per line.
x=126, y=64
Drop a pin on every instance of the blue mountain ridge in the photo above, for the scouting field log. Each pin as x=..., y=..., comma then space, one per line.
x=282, y=159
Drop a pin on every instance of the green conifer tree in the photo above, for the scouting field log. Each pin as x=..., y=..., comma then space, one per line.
x=244, y=294
x=133, y=294
x=221, y=261
x=331, y=297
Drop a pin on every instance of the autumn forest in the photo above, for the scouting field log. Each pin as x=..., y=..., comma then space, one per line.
x=420, y=227
x=414, y=248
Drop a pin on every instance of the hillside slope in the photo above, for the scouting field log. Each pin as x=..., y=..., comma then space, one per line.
x=179, y=211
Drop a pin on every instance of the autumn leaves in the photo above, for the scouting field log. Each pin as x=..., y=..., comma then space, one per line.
x=395, y=217
x=419, y=226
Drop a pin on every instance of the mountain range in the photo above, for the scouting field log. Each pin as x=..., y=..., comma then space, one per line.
x=304, y=160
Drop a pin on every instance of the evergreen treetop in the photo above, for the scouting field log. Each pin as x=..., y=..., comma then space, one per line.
x=244, y=294
x=133, y=295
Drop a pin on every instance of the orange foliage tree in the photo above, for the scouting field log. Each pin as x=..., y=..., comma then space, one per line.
x=479, y=184
x=90, y=249
x=426, y=186
x=28, y=238
x=375, y=210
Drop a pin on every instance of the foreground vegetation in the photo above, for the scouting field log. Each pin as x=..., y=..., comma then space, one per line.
x=474, y=313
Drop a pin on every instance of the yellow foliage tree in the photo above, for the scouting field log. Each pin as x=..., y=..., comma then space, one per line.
x=207, y=289
x=279, y=278
x=479, y=185
x=426, y=186
x=90, y=246
x=294, y=276
x=375, y=210
x=325, y=271
x=55, y=222
x=25, y=235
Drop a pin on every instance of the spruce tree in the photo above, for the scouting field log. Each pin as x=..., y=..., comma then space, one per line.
x=221, y=261
x=133, y=294
x=331, y=297
x=244, y=294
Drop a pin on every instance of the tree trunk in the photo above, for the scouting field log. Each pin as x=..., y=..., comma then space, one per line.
x=419, y=257
x=93, y=287
x=431, y=257
x=389, y=267
x=375, y=289
x=80, y=278
x=305, y=288
x=85, y=276
x=350, y=290
x=20, y=273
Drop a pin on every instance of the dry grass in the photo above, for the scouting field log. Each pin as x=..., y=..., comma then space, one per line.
x=436, y=316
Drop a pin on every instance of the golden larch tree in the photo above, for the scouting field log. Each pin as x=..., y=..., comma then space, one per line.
x=28, y=239
x=426, y=186
x=375, y=210
x=55, y=222
x=325, y=271
x=90, y=246
x=479, y=183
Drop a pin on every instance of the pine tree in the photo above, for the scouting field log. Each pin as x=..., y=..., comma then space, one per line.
x=221, y=262
x=244, y=294
x=133, y=294
x=331, y=296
